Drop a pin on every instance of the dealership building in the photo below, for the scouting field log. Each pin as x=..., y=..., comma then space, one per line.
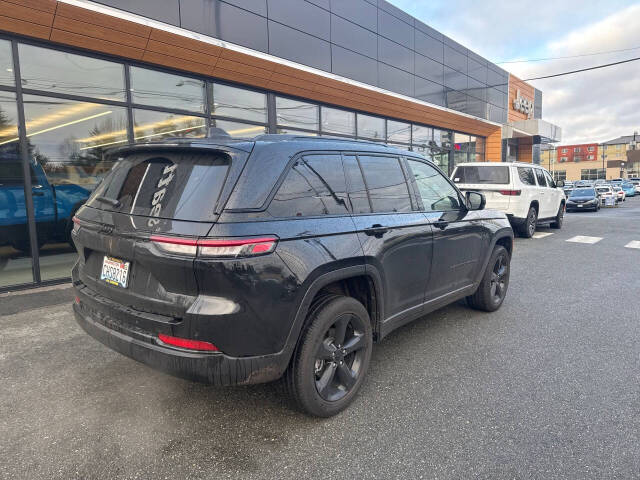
x=78, y=78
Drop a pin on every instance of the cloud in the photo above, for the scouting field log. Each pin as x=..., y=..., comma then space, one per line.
x=592, y=106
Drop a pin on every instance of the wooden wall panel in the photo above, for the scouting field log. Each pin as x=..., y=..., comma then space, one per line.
x=78, y=27
x=493, y=152
x=525, y=150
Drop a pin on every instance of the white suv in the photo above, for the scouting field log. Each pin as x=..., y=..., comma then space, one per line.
x=525, y=192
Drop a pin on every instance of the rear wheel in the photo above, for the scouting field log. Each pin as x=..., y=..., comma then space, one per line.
x=332, y=358
x=528, y=228
x=495, y=282
x=557, y=222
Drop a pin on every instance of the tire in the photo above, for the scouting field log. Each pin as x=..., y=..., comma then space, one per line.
x=528, y=228
x=557, y=222
x=495, y=282
x=326, y=373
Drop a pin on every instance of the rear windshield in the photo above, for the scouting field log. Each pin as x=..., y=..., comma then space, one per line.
x=583, y=192
x=179, y=186
x=602, y=189
x=481, y=174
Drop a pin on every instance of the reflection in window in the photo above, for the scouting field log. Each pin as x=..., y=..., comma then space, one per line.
x=357, y=191
x=422, y=136
x=315, y=185
x=436, y=192
x=387, y=186
x=239, y=103
x=291, y=131
x=338, y=121
x=370, y=127
x=293, y=113
x=150, y=87
x=15, y=256
x=62, y=72
x=6, y=64
x=67, y=140
x=151, y=126
x=241, y=130
x=398, y=131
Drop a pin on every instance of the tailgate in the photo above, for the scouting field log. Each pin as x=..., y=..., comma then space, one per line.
x=495, y=199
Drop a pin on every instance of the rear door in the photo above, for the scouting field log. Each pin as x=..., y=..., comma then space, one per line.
x=555, y=194
x=459, y=238
x=492, y=180
x=162, y=193
x=395, y=238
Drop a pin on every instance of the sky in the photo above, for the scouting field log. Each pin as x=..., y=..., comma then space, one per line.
x=593, y=106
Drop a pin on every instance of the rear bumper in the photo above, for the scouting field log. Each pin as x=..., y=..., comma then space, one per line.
x=211, y=367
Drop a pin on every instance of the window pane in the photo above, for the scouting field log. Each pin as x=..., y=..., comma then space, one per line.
x=15, y=256
x=292, y=113
x=239, y=103
x=242, y=130
x=67, y=140
x=436, y=192
x=150, y=87
x=315, y=185
x=526, y=175
x=482, y=174
x=540, y=177
x=151, y=126
x=442, y=138
x=338, y=121
x=61, y=72
x=357, y=191
x=398, y=131
x=6, y=64
x=422, y=135
x=386, y=183
x=370, y=127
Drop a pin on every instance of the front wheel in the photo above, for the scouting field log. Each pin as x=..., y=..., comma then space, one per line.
x=332, y=358
x=557, y=222
x=495, y=282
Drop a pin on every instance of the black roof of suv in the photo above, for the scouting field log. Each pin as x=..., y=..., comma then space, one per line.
x=237, y=261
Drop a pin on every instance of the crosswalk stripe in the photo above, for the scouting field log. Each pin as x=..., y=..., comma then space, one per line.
x=633, y=244
x=584, y=239
x=541, y=234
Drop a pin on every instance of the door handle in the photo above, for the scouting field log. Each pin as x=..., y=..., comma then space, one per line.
x=441, y=224
x=376, y=230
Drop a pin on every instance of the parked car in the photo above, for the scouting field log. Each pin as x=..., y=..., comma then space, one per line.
x=234, y=261
x=636, y=184
x=525, y=192
x=583, y=199
x=599, y=181
x=617, y=189
x=605, y=192
x=53, y=205
x=581, y=184
x=629, y=189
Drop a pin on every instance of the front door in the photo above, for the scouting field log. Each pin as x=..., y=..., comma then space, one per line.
x=458, y=237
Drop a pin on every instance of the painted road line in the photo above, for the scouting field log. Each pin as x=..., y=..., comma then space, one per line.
x=633, y=244
x=541, y=234
x=584, y=239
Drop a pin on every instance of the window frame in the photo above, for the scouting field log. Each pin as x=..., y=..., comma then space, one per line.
x=461, y=198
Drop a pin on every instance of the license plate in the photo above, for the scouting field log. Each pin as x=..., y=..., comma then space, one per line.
x=579, y=206
x=115, y=271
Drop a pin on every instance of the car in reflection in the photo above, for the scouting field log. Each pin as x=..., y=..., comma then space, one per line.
x=583, y=199
x=53, y=205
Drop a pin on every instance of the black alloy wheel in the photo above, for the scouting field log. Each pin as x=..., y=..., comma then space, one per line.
x=529, y=227
x=495, y=282
x=340, y=357
x=499, y=277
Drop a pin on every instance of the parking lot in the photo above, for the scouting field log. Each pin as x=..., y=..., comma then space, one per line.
x=547, y=387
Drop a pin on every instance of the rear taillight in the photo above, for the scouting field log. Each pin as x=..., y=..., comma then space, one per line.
x=188, y=343
x=511, y=193
x=223, y=248
x=76, y=224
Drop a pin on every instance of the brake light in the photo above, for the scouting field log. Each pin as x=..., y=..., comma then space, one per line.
x=511, y=193
x=76, y=224
x=187, y=343
x=225, y=248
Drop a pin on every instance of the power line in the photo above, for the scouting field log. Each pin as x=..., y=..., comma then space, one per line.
x=568, y=56
x=584, y=69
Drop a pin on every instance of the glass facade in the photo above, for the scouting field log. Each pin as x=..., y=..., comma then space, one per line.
x=76, y=107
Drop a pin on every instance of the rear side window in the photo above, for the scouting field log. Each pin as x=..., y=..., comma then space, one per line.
x=526, y=176
x=315, y=185
x=482, y=174
x=386, y=183
x=550, y=181
x=179, y=186
x=540, y=176
x=357, y=190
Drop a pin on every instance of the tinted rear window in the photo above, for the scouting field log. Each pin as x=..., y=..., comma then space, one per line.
x=481, y=174
x=180, y=186
x=386, y=183
x=584, y=192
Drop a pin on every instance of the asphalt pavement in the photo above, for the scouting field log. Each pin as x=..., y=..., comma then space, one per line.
x=547, y=387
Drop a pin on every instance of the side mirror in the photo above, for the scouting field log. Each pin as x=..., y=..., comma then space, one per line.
x=475, y=200
x=560, y=183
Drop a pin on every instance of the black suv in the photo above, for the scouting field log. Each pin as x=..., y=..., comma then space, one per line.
x=242, y=261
